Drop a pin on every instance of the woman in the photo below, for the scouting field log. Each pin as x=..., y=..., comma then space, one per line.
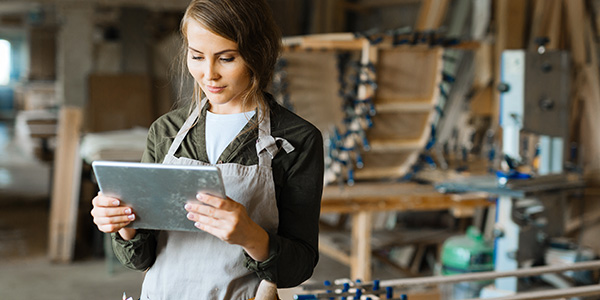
x=267, y=228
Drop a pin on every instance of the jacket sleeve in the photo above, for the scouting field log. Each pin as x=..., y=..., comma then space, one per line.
x=138, y=253
x=294, y=249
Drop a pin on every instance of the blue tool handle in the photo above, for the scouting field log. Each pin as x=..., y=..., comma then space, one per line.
x=305, y=297
x=376, y=284
x=346, y=287
x=350, y=182
x=389, y=292
x=359, y=164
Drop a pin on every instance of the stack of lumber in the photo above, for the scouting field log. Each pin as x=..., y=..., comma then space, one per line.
x=121, y=145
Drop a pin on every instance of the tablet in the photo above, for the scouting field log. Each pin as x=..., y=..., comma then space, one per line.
x=157, y=193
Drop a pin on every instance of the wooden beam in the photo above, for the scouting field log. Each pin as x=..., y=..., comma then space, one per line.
x=394, y=196
x=547, y=19
x=361, y=246
x=575, y=12
x=431, y=14
x=584, y=54
x=65, y=190
x=329, y=248
x=540, y=13
x=510, y=26
x=554, y=30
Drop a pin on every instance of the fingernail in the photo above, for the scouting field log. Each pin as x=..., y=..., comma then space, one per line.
x=199, y=196
x=190, y=216
x=131, y=217
x=127, y=211
x=187, y=206
x=116, y=202
x=197, y=224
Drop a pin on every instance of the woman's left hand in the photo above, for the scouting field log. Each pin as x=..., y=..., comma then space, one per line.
x=229, y=221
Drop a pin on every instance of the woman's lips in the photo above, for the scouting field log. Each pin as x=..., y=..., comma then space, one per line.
x=215, y=89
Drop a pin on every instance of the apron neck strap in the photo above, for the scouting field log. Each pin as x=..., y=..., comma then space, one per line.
x=189, y=122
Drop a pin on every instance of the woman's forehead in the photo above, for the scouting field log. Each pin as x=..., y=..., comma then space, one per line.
x=199, y=36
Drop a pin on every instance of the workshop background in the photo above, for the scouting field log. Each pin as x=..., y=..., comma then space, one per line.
x=461, y=136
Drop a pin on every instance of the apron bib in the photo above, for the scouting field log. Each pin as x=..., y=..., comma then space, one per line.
x=198, y=265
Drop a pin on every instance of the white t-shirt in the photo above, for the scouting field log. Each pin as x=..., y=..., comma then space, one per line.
x=221, y=130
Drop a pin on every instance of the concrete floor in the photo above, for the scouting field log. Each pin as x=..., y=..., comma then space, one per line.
x=26, y=273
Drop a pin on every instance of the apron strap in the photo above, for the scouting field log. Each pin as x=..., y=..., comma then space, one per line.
x=184, y=129
x=266, y=145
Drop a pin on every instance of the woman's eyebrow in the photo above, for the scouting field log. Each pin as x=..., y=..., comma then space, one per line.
x=218, y=53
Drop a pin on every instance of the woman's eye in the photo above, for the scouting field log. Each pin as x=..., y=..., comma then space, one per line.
x=197, y=57
x=227, y=59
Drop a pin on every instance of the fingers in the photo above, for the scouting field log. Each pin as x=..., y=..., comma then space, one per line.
x=102, y=211
x=101, y=200
x=109, y=215
x=213, y=201
x=115, y=219
x=222, y=217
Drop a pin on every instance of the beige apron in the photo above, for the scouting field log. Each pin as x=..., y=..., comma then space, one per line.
x=198, y=265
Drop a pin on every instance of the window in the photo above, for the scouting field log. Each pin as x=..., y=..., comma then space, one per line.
x=4, y=62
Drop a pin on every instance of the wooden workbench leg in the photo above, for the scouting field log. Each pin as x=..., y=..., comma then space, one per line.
x=360, y=267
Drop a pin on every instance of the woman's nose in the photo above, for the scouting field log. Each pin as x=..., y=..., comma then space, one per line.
x=211, y=72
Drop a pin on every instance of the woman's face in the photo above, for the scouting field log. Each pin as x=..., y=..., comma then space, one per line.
x=218, y=68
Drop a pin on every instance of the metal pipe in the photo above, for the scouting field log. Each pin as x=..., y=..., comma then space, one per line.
x=478, y=276
x=589, y=290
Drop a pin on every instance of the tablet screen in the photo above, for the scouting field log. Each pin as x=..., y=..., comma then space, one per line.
x=157, y=193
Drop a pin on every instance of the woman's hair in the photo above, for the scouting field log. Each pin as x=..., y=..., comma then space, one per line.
x=250, y=24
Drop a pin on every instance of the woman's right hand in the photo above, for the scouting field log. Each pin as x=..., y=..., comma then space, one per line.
x=110, y=216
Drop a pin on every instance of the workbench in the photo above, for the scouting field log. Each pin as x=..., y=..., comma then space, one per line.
x=362, y=200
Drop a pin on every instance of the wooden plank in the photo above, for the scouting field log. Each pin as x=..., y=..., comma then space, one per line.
x=329, y=249
x=313, y=87
x=395, y=145
x=510, y=18
x=481, y=103
x=394, y=196
x=592, y=101
x=361, y=246
x=555, y=28
x=403, y=105
x=575, y=13
x=481, y=18
x=540, y=12
x=409, y=74
x=546, y=22
x=65, y=190
x=584, y=54
x=431, y=14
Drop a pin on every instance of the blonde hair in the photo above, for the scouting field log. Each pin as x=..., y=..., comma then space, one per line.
x=250, y=24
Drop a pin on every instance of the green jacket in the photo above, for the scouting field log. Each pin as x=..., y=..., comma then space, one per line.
x=298, y=176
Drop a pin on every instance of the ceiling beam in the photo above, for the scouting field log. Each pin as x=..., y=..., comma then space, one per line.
x=20, y=5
